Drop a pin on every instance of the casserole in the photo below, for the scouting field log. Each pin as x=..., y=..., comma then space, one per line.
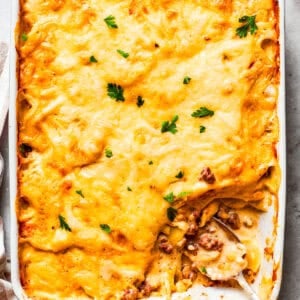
x=115, y=91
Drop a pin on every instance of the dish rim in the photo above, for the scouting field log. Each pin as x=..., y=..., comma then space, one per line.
x=13, y=161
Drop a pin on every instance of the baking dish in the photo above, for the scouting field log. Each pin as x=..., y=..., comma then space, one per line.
x=272, y=268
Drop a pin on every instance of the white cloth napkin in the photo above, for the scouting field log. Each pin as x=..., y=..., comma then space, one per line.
x=6, y=292
x=4, y=84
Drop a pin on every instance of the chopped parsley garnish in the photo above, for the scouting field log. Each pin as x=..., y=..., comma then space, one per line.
x=172, y=213
x=63, y=224
x=111, y=22
x=123, y=53
x=202, y=112
x=93, y=59
x=115, y=91
x=170, y=197
x=249, y=26
x=186, y=80
x=108, y=153
x=140, y=101
x=79, y=192
x=183, y=194
x=203, y=270
x=150, y=162
x=25, y=149
x=180, y=175
x=106, y=228
x=129, y=189
x=170, y=126
x=202, y=129
x=24, y=37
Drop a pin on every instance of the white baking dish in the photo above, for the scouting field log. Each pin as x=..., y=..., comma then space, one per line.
x=272, y=268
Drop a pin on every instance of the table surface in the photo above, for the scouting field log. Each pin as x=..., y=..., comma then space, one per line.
x=291, y=273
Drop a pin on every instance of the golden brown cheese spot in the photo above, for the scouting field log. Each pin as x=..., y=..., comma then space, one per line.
x=222, y=5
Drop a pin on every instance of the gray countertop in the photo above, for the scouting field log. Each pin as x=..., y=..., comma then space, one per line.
x=291, y=272
x=291, y=275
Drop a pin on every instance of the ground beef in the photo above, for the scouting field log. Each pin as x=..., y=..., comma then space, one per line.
x=164, y=244
x=145, y=289
x=229, y=217
x=210, y=242
x=207, y=175
x=130, y=294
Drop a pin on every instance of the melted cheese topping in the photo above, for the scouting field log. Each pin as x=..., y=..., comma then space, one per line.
x=69, y=121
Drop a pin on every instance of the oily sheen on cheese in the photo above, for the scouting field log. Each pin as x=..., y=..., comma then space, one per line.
x=87, y=160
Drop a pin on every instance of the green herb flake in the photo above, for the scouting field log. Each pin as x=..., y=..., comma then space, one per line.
x=203, y=270
x=63, y=224
x=249, y=26
x=170, y=126
x=170, y=197
x=202, y=112
x=172, y=213
x=183, y=194
x=24, y=149
x=106, y=228
x=150, y=162
x=202, y=129
x=93, y=59
x=24, y=37
x=111, y=22
x=180, y=175
x=129, y=189
x=115, y=91
x=123, y=53
x=140, y=101
x=187, y=80
x=79, y=192
x=108, y=153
